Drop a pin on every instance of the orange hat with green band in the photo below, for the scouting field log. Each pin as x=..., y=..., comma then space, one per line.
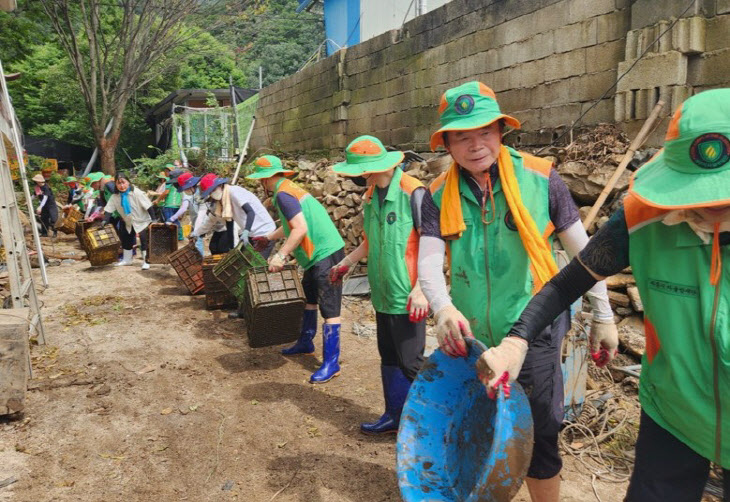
x=365, y=155
x=693, y=168
x=268, y=166
x=470, y=106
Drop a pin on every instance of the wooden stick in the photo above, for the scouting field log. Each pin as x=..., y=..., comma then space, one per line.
x=635, y=145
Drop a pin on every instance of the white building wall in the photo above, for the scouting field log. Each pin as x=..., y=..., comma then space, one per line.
x=379, y=16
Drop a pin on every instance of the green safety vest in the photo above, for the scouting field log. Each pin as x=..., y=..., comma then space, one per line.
x=491, y=281
x=685, y=372
x=322, y=238
x=174, y=197
x=392, y=244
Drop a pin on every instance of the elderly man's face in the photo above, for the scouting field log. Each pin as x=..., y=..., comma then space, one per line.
x=475, y=150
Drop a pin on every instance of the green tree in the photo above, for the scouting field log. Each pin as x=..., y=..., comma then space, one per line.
x=272, y=35
x=112, y=48
x=47, y=97
x=21, y=30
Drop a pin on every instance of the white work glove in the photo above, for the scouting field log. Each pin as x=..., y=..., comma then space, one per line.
x=603, y=341
x=501, y=365
x=244, y=237
x=451, y=327
x=417, y=305
x=277, y=262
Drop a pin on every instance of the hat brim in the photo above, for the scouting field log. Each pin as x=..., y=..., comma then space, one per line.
x=389, y=161
x=658, y=185
x=268, y=174
x=218, y=182
x=38, y=178
x=469, y=124
x=190, y=183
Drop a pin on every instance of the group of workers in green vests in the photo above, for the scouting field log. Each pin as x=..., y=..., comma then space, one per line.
x=495, y=219
x=496, y=216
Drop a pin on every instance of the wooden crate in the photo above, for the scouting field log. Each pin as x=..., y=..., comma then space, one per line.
x=188, y=264
x=162, y=242
x=233, y=268
x=81, y=227
x=102, y=245
x=273, y=306
x=217, y=295
x=67, y=221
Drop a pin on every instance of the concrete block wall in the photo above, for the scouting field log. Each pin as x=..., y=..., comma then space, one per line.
x=548, y=60
x=693, y=56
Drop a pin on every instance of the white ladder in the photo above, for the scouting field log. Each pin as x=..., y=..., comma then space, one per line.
x=22, y=285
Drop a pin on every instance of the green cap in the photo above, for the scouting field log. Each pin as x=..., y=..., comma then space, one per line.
x=366, y=154
x=93, y=177
x=70, y=179
x=267, y=166
x=470, y=106
x=169, y=166
x=693, y=168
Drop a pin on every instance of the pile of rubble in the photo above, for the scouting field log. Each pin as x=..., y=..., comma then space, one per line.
x=342, y=198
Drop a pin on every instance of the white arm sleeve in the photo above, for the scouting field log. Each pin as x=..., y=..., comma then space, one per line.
x=431, y=253
x=574, y=239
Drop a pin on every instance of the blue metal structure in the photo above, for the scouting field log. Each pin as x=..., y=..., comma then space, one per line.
x=341, y=22
x=456, y=444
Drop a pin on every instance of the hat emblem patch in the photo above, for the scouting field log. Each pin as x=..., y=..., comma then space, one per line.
x=464, y=104
x=710, y=151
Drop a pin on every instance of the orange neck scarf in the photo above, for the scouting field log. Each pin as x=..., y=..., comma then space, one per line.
x=452, y=218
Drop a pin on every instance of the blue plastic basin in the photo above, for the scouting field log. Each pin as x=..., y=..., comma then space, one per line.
x=457, y=445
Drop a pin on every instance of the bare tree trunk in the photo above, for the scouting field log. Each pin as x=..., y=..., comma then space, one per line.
x=107, y=148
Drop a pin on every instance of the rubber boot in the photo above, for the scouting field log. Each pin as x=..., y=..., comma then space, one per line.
x=126, y=258
x=145, y=265
x=331, y=354
x=395, y=390
x=309, y=328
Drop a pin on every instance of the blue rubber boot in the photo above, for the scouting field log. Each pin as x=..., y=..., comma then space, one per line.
x=331, y=354
x=395, y=391
x=309, y=328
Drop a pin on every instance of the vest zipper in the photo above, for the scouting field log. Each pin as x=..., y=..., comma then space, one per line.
x=716, y=376
x=489, y=284
x=380, y=259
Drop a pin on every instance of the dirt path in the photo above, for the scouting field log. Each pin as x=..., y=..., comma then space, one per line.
x=143, y=395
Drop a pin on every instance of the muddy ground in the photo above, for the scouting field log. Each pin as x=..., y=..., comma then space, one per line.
x=141, y=394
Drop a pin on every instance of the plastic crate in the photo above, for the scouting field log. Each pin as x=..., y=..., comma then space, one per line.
x=102, y=245
x=188, y=264
x=67, y=222
x=273, y=306
x=217, y=295
x=233, y=268
x=80, y=229
x=162, y=242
